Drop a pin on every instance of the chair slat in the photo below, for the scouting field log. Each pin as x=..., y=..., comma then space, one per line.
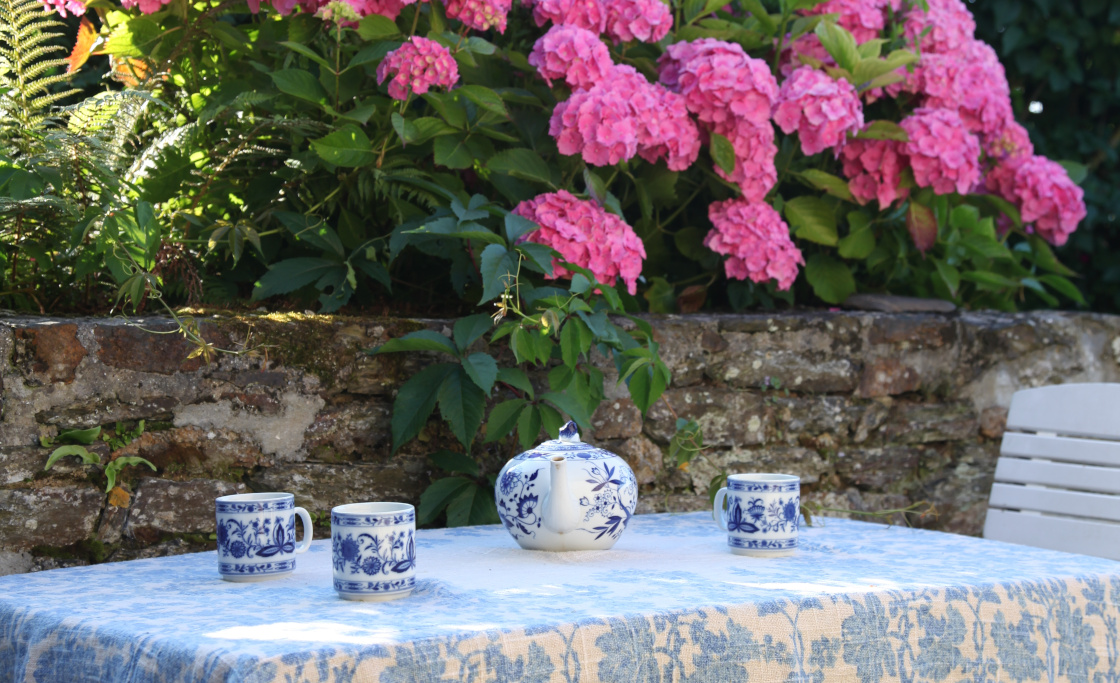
x=1087, y=537
x=1087, y=410
x=1058, y=475
x=1084, y=451
x=1056, y=501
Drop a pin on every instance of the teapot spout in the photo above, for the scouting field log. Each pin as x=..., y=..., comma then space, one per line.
x=560, y=511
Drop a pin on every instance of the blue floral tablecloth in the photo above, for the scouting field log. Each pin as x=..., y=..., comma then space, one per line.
x=858, y=602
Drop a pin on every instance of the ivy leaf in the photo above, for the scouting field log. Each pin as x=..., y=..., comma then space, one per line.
x=436, y=497
x=571, y=406
x=470, y=328
x=498, y=268
x=723, y=153
x=472, y=505
x=421, y=340
x=482, y=369
x=502, y=419
x=528, y=426
x=461, y=404
x=416, y=400
x=311, y=229
x=516, y=377
x=813, y=219
x=830, y=278
x=516, y=226
x=291, y=274
x=348, y=147
x=455, y=463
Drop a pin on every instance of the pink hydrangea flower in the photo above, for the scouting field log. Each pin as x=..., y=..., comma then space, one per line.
x=585, y=235
x=1043, y=193
x=597, y=124
x=970, y=81
x=719, y=81
x=862, y=18
x=146, y=6
x=665, y=130
x=943, y=154
x=755, y=150
x=417, y=66
x=67, y=7
x=586, y=14
x=756, y=241
x=820, y=108
x=949, y=22
x=571, y=54
x=874, y=168
x=1012, y=142
x=646, y=20
x=805, y=50
x=480, y=15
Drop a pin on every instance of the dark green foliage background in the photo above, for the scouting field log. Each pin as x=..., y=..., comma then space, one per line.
x=1066, y=55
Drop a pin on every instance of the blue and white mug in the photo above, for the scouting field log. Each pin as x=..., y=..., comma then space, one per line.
x=761, y=515
x=373, y=549
x=257, y=535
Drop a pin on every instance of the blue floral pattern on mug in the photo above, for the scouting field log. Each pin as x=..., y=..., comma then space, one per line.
x=374, y=554
x=256, y=537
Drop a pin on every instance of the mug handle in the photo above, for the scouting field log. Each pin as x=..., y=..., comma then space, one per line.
x=718, y=513
x=307, y=532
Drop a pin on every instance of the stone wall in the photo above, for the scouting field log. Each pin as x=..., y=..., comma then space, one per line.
x=873, y=411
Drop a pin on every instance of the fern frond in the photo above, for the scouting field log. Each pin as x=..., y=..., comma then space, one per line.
x=27, y=49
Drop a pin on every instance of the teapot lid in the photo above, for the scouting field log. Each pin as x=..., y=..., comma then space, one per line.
x=569, y=444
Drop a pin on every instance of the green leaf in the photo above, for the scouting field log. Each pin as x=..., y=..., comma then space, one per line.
x=521, y=163
x=1063, y=286
x=299, y=83
x=80, y=451
x=835, y=186
x=883, y=130
x=1045, y=258
x=114, y=467
x=84, y=436
x=571, y=407
x=765, y=21
x=529, y=426
x=312, y=230
x=377, y=27
x=551, y=420
x=452, y=151
x=571, y=341
x=482, y=369
x=872, y=48
x=473, y=505
x=516, y=226
x=990, y=281
x=470, y=328
x=291, y=274
x=302, y=49
x=921, y=222
x=436, y=497
x=830, y=278
x=455, y=463
x=461, y=403
x=136, y=37
x=860, y=240
x=538, y=257
x=416, y=400
x=813, y=219
x=498, y=267
x=840, y=44
x=1077, y=172
x=502, y=419
x=421, y=340
x=949, y=275
x=723, y=153
x=646, y=385
x=348, y=146
x=484, y=98
x=515, y=377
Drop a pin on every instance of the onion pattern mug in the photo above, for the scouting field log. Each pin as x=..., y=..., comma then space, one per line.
x=257, y=535
x=761, y=515
x=373, y=550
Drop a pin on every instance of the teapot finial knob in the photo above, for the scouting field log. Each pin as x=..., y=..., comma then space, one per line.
x=569, y=433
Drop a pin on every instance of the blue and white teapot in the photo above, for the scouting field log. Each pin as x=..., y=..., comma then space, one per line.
x=566, y=495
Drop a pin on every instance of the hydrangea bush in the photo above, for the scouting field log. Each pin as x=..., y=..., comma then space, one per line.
x=537, y=155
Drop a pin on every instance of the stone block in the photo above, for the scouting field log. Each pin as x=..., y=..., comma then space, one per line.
x=993, y=420
x=807, y=464
x=192, y=450
x=15, y=563
x=927, y=423
x=887, y=377
x=48, y=516
x=728, y=418
x=131, y=348
x=319, y=487
x=21, y=464
x=912, y=332
x=893, y=468
x=644, y=457
x=617, y=419
x=176, y=507
x=813, y=354
x=51, y=352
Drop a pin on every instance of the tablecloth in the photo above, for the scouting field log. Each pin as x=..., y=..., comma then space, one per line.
x=858, y=602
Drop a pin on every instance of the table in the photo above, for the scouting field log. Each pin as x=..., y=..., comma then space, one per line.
x=859, y=602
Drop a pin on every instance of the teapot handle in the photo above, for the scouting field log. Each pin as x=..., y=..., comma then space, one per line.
x=718, y=513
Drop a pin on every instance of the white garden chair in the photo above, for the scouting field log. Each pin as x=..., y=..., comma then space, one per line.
x=1057, y=482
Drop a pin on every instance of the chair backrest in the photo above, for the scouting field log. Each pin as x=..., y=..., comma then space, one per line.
x=1057, y=482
